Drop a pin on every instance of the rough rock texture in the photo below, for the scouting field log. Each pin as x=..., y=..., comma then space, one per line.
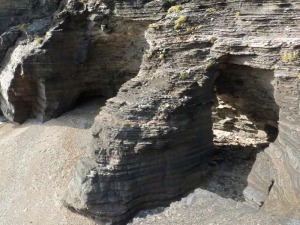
x=72, y=50
x=245, y=111
x=150, y=141
x=228, y=65
x=202, y=207
x=16, y=12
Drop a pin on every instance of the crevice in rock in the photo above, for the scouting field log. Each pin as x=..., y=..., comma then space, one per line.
x=269, y=189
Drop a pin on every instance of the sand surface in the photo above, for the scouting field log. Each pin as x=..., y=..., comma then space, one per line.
x=36, y=166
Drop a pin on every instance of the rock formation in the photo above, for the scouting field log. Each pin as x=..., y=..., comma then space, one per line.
x=226, y=65
x=203, y=207
x=151, y=139
x=49, y=62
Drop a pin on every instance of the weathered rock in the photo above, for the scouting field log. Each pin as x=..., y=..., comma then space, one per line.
x=20, y=12
x=73, y=50
x=202, y=207
x=135, y=129
x=283, y=155
x=8, y=39
x=151, y=140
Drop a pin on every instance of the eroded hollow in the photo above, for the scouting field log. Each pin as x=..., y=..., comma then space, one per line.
x=245, y=111
x=114, y=56
x=100, y=61
x=245, y=117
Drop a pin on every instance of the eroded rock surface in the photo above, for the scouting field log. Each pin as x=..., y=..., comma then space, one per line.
x=50, y=61
x=151, y=139
x=228, y=65
x=202, y=207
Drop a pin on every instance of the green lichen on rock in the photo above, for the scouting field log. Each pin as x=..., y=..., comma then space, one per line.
x=179, y=22
x=175, y=9
x=290, y=56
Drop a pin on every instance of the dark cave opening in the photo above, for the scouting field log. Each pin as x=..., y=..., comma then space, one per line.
x=245, y=121
x=87, y=97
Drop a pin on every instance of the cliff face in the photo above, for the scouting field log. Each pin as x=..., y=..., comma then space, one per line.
x=226, y=66
x=151, y=139
x=44, y=58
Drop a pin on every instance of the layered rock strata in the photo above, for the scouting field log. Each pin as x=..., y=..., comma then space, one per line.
x=48, y=63
x=152, y=140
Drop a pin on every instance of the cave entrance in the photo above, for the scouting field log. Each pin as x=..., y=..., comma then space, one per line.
x=245, y=117
x=245, y=111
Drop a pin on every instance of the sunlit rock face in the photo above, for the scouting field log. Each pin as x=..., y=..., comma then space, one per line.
x=179, y=87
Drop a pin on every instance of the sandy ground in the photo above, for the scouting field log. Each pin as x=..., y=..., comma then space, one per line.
x=36, y=165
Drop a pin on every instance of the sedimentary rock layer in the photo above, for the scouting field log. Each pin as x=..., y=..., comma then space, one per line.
x=152, y=140
x=48, y=63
